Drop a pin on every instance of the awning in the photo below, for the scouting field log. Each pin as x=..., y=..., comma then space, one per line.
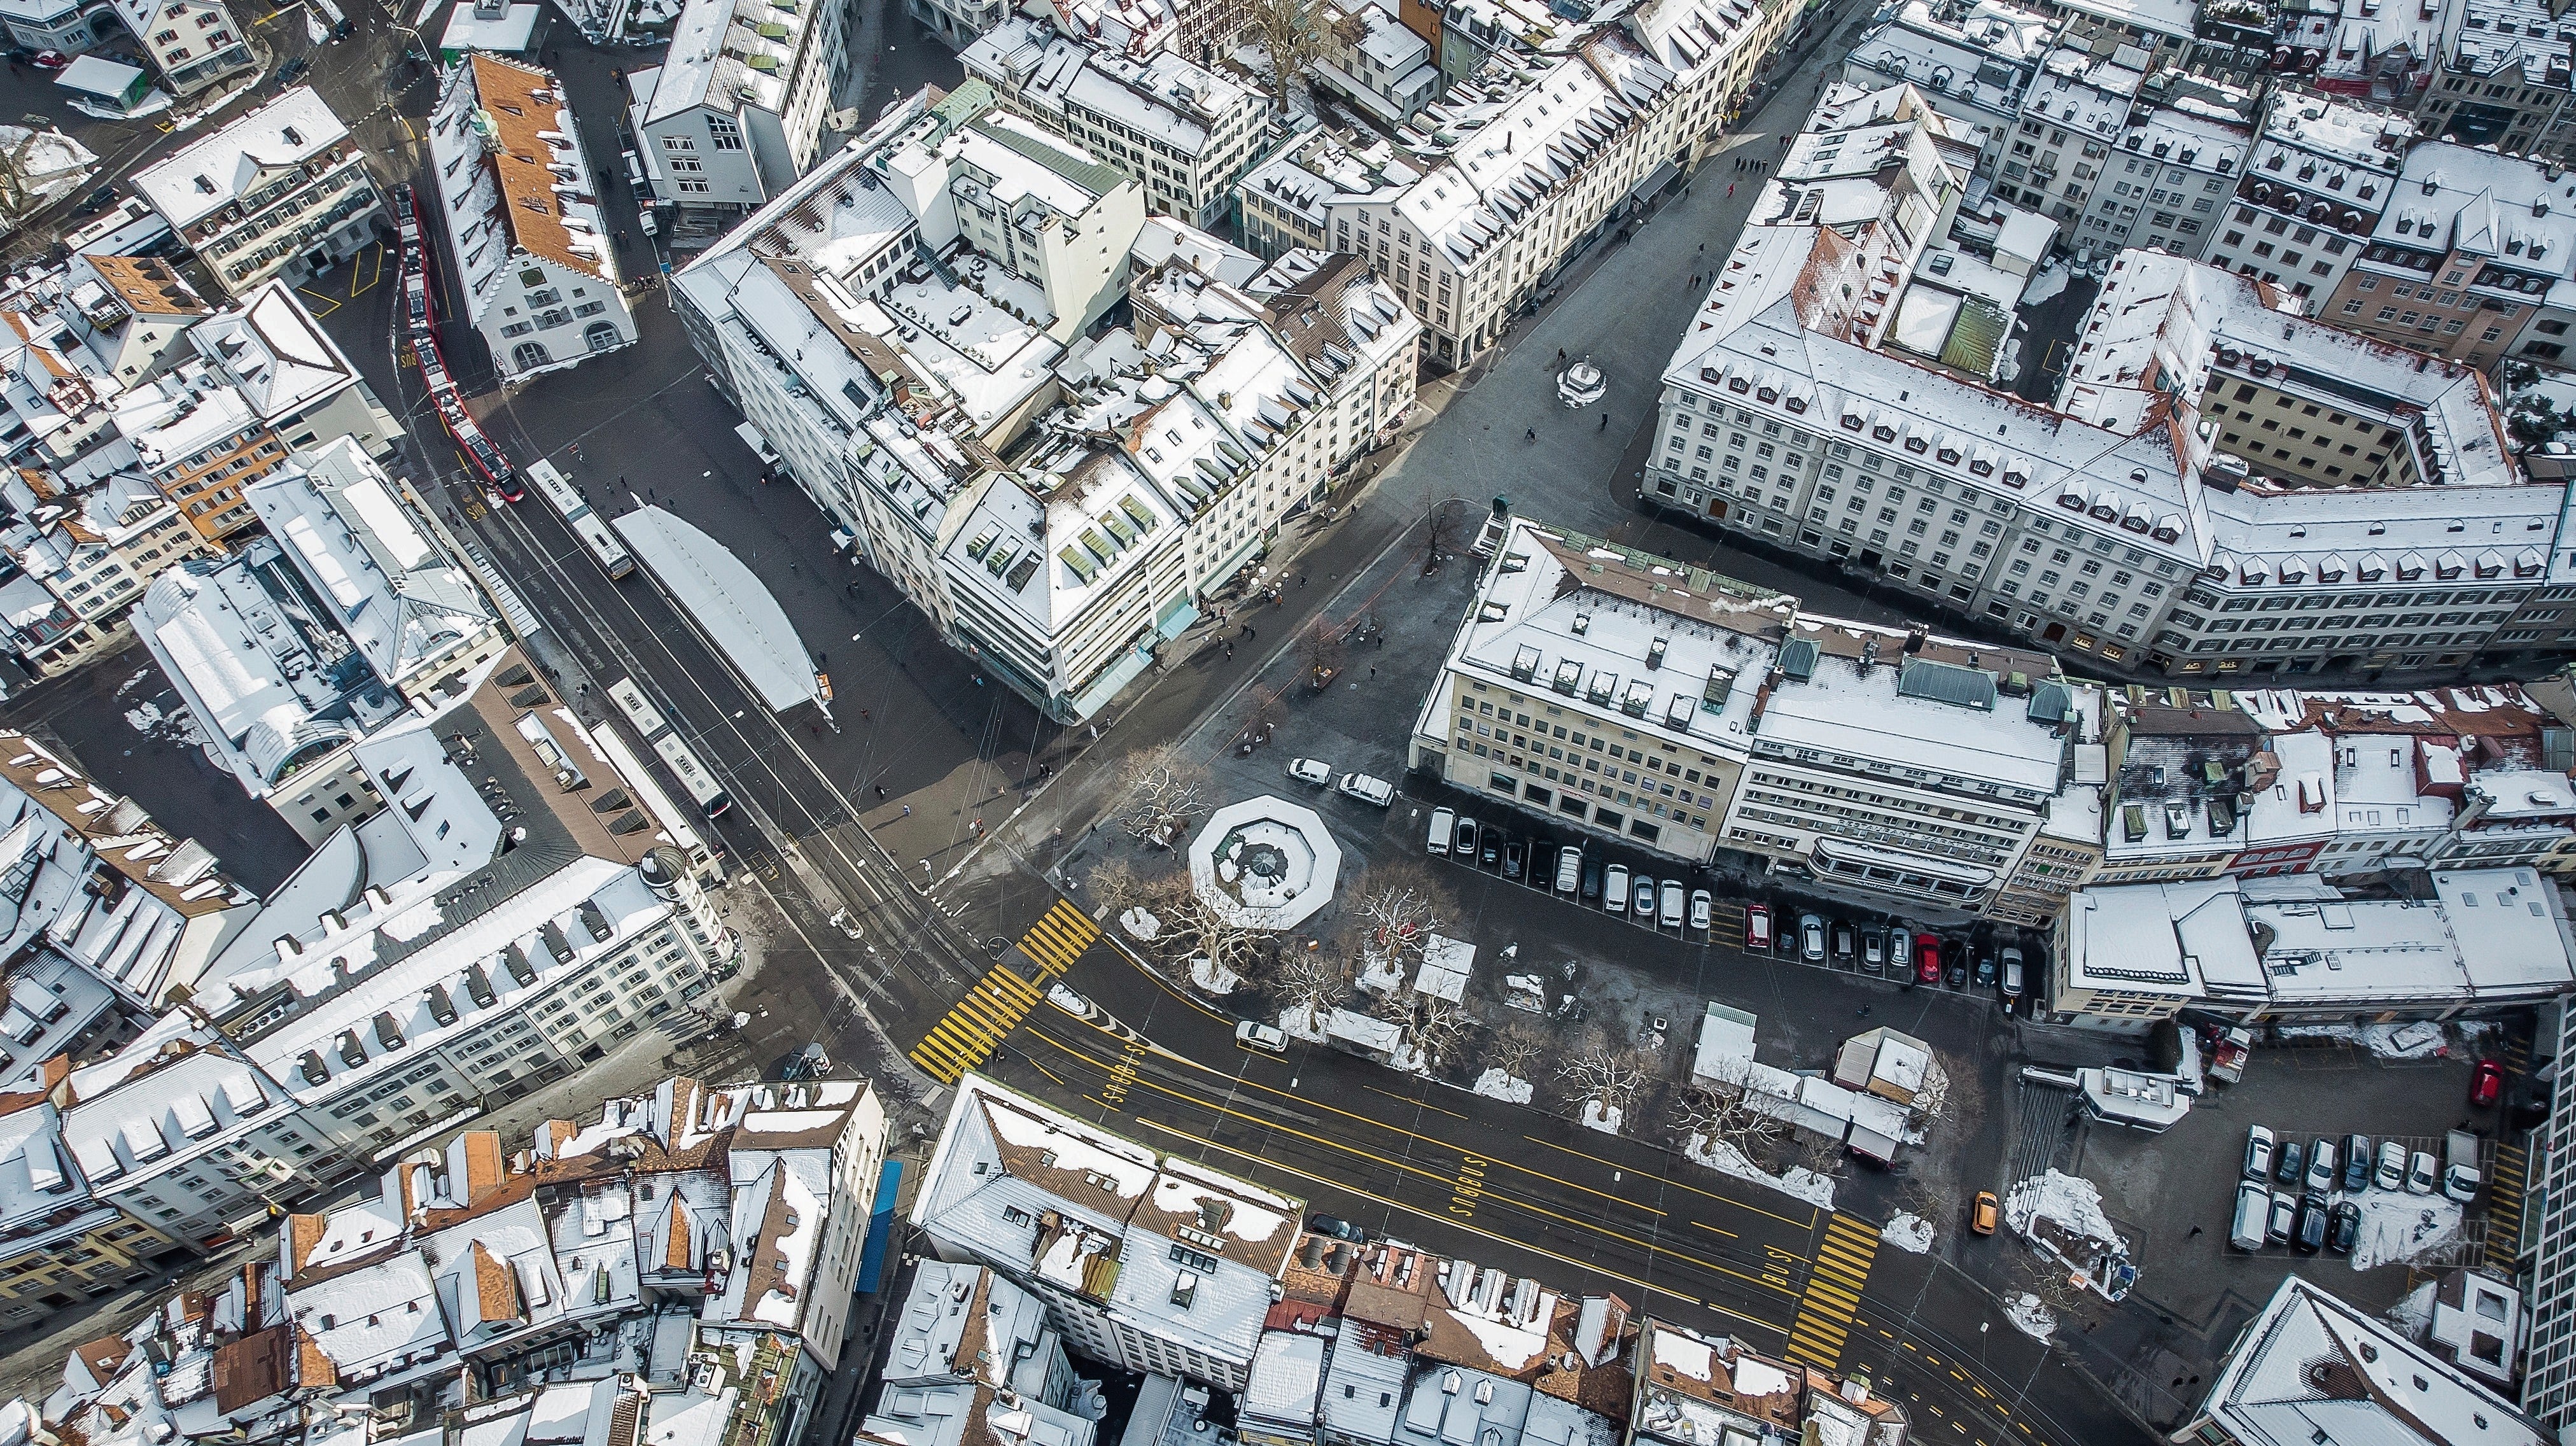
x=1656, y=179
x=728, y=603
x=752, y=438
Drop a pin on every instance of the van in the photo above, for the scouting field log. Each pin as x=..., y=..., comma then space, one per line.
x=1367, y=789
x=634, y=170
x=1569, y=869
x=1444, y=822
x=2460, y=1174
x=2253, y=1208
x=2012, y=981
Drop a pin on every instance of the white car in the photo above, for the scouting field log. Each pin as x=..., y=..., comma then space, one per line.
x=2420, y=1173
x=2460, y=1183
x=1310, y=770
x=1253, y=1034
x=1368, y=790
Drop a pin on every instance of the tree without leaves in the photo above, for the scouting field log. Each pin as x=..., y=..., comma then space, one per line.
x=1398, y=907
x=1158, y=790
x=1314, y=980
x=1605, y=1073
x=1517, y=1049
x=1723, y=1113
x=1439, y=1026
x=1192, y=929
x=1292, y=34
x=1823, y=1154
x=1320, y=649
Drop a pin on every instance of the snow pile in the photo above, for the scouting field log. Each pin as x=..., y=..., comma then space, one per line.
x=2045, y=284
x=1410, y=1058
x=2074, y=1202
x=1210, y=977
x=1595, y=1117
x=1908, y=1232
x=2420, y=1039
x=2030, y=1315
x=2397, y=1227
x=2413, y=1316
x=1140, y=924
x=1725, y=1159
x=1499, y=1084
x=1300, y=1022
x=1381, y=973
x=180, y=727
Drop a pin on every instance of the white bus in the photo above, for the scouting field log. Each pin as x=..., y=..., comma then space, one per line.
x=589, y=526
x=692, y=774
x=630, y=701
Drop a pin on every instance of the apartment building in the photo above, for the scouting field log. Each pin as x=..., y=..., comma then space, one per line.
x=1374, y=61
x=531, y=251
x=59, y=1246
x=2547, y=1260
x=2075, y=111
x=194, y=44
x=283, y=191
x=1061, y=530
x=311, y=637
x=70, y=26
x=92, y=550
x=1973, y=69
x=976, y=1353
x=736, y=110
x=1510, y=173
x=2304, y=1332
x=2165, y=185
x=133, y=312
x=1049, y=1201
x=2465, y=257
x=1179, y=130
x=2322, y=173
x=2501, y=80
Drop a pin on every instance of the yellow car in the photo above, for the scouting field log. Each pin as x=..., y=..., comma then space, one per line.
x=1981, y=1216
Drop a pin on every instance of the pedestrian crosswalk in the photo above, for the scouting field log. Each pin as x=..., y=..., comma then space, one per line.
x=1832, y=1296
x=967, y=1035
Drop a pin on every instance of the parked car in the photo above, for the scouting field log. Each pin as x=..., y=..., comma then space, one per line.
x=1670, y=915
x=1336, y=1228
x=1614, y=893
x=2343, y=1227
x=1368, y=790
x=1701, y=907
x=2290, y=1163
x=1569, y=869
x=2486, y=1084
x=2356, y=1164
x=2285, y=1213
x=287, y=74
x=1842, y=943
x=1314, y=771
x=2245, y=1229
x=1642, y=902
x=1465, y=845
x=1591, y=880
x=56, y=60
x=1958, y=974
x=1900, y=951
x=2420, y=1173
x=1253, y=1034
x=1514, y=856
x=1757, y=927
x=1986, y=971
x=2258, y=1152
x=1927, y=958
x=1444, y=827
x=1542, y=864
x=1491, y=856
x=1811, y=938
x=2321, y=1166
x=1873, y=951
x=2012, y=980
x=2460, y=1183
x=2308, y=1233
x=97, y=201
x=1981, y=1216
x=2391, y=1174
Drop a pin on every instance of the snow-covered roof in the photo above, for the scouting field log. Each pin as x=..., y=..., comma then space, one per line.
x=725, y=54
x=2309, y=1365
x=1161, y=98
x=2302, y=125
x=270, y=347
x=218, y=170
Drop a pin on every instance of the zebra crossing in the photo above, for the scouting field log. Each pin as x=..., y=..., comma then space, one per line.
x=968, y=1034
x=1832, y=1296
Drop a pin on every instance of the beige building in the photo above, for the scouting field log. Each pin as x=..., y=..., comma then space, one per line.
x=283, y=191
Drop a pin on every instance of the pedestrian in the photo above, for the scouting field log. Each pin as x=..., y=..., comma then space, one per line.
x=1372, y=670
x=1229, y=650
x=1730, y=188
x=1301, y=579
x=2195, y=1230
x=1247, y=631
x=1560, y=356
x=907, y=810
x=1532, y=434
x=1703, y=248
x=881, y=790
x=1605, y=421
x=979, y=680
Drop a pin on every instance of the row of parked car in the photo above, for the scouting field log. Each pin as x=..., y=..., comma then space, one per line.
x=1889, y=951
x=2306, y=1222
x=1567, y=870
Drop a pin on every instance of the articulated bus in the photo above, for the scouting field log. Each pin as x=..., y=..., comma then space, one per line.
x=656, y=731
x=594, y=532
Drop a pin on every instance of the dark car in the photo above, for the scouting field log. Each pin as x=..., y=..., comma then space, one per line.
x=287, y=74
x=1592, y=882
x=2308, y=1234
x=2356, y=1164
x=97, y=201
x=1542, y=863
x=1958, y=972
x=2290, y=1162
x=1334, y=1226
x=1514, y=857
x=2343, y=1227
x=2486, y=1085
x=1492, y=857
x=1986, y=971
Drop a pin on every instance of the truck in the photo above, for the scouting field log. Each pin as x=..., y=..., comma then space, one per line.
x=2227, y=1058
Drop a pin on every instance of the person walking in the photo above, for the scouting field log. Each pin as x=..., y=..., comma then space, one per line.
x=1605, y=421
x=1531, y=434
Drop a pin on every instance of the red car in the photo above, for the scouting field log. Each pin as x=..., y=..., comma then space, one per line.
x=2486, y=1085
x=49, y=60
x=1927, y=959
x=1757, y=928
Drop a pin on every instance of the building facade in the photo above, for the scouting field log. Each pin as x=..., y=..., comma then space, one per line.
x=283, y=191
x=194, y=44
x=737, y=108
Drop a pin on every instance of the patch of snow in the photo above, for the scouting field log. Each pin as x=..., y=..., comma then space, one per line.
x=1306, y=1024
x=2397, y=1227
x=2030, y=1315
x=1597, y=1118
x=1909, y=1233
x=2074, y=1202
x=1381, y=973
x=1209, y=977
x=2420, y=1039
x=1409, y=1058
x=1140, y=925
x=2413, y=1316
x=2044, y=285
x=178, y=726
x=130, y=684
x=1725, y=1159
x=1498, y=1084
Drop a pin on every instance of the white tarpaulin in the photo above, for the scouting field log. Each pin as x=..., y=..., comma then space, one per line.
x=728, y=602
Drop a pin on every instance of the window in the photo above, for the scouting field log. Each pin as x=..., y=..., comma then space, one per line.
x=724, y=133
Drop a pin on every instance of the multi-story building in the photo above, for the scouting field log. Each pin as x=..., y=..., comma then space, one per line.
x=1692, y=1388
x=1051, y=1203
x=2321, y=174
x=194, y=44
x=70, y=26
x=1061, y=533
x=1501, y=181
x=976, y=1353
x=1183, y=132
x=531, y=250
x=309, y=638
x=2165, y=184
x=93, y=550
x=59, y=1245
x=2465, y=256
x=2060, y=156
x=292, y=375
x=2547, y=1262
x=2501, y=80
x=133, y=311
x=1375, y=62
x=2314, y=1346
x=283, y=191
x=1973, y=69
x=736, y=110
x=201, y=443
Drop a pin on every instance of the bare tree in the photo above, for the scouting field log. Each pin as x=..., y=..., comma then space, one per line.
x=1313, y=980
x=1723, y=1111
x=1117, y=885
x=1398, y=907
x=1192, y=930
x=1439, y=1026
x=1293, y=35
x=1823, y=1154
x=1606, y=1074
x=2057, y=1287
x=1320, y=650
x=1158, y=791
x=1517, y=1049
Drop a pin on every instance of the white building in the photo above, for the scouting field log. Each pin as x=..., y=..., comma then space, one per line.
x=283, y=191
x=736, y=110
x=1375, y=61
x=1973, y=69
x=93, y=548
x=527, y=242
x=2308, y=1356
x=193, y=43
x=70, y=26
x=1181, y=131
x=2072, y=115
x=974, y=1353
x=1054, y=1204
x=2313, y=151
x=2165, y=183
